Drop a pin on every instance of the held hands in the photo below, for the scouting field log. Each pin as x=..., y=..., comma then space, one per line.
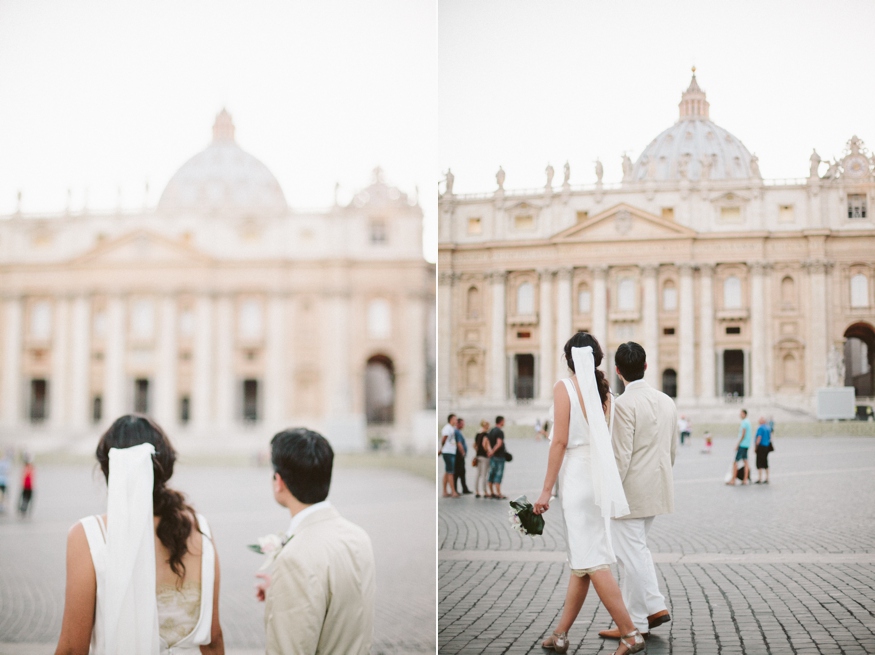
x=543, y=502
x=262, y=587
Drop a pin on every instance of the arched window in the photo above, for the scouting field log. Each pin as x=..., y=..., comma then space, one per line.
x=626, y=294
x=41, y=320
x=143, y=319
x=669, y=296
x=380, y=390
x=859, y=291
x=525, y=299
x=472, y=374
x=732, y=293
x=791, y=369
x=584, y=299
x=788, y=292
x=473, y=309
x=379, y=319
x=249, y=319
x=670, y=383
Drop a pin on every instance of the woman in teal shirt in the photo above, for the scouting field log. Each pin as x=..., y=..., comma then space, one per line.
x=763, y=448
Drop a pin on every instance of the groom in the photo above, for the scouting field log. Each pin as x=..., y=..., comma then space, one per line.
x=319, y=596
x=644, y=447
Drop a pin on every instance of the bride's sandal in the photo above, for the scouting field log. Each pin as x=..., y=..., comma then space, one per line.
x=633, y=642
x=558, y=641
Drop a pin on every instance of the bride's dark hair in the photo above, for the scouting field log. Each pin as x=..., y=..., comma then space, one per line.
x=582, y=340
x=175, y=524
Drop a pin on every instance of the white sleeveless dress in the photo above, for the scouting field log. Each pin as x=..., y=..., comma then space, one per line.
x=184, y=621
x=587, y=531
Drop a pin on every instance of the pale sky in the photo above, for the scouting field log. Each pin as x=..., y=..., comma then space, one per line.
x=527, y=83
x=97, y=94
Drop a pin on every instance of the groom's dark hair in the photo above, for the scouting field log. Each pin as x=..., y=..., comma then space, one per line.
x=630, y=359
x=303, y=458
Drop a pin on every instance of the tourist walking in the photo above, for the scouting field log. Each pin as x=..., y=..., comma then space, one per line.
x=645, y=445
x=27, y=482
x=496, y=452
x=763, y=448
x=143, y=578
x=481, y=442
x=684, y=428
x=5, y=467
x=582, y=460
x=448, y=450
x=744, y=442
x=459, y=464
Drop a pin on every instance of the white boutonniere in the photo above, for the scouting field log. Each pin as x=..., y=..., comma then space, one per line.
x=269, y=546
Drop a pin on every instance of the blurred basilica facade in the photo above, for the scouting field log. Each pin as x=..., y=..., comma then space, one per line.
x=740, y=289
x=221, y=311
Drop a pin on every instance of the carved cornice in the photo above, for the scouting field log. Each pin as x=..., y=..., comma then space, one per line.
x=650, y=270
x=599, y=271
x=565, y=273
x=706, y=270
x=497, y=277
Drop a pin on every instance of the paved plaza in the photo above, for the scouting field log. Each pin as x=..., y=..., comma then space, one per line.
x=783, y=568
x=395, y=507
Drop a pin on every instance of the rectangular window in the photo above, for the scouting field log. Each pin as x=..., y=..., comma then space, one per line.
x=786, y=214
x=523, y=335
x=141, y=396
x=582, y=216
x=38, y=400
x=668, y=331
x=250, y=401
x=378, y=232
x=184, y=409
x=524, y=222
x=856, y=205
x=730, y=214
x=96, y=408
x=733, y=330
x=475, y=226
x=668, y=212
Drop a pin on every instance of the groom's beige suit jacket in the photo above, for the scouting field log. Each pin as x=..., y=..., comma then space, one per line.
x=321, y=596
x=645, y=441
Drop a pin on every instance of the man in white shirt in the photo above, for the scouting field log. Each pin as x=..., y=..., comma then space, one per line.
x=319, y=594
x=450, y=449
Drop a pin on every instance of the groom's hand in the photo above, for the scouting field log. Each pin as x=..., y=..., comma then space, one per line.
x=262, y=587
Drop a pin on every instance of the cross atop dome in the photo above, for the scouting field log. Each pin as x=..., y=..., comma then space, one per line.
x=693, y=105
x=223, y=128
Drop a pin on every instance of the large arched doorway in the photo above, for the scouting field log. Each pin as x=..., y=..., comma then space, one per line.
x=380, y=390
x=860, y=359
x=670, y=383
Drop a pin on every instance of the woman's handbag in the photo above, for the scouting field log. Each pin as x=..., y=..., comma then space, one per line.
x=507, y=456
x=474, y=462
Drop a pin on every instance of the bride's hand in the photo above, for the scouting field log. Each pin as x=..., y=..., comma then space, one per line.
x=543, y=502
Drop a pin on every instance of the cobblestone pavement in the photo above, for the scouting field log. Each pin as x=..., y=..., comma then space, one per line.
x=240, y=507
x=783, y=568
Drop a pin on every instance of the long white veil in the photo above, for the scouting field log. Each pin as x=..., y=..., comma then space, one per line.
x=130, y=610
x=609, y=494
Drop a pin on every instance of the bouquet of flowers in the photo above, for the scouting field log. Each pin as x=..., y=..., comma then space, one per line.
x=523, y=518
x=269, y=545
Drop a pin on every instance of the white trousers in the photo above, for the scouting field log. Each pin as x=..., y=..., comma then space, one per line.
x=639, y=586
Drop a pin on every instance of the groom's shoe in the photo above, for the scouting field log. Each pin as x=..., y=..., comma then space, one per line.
x=658, y=619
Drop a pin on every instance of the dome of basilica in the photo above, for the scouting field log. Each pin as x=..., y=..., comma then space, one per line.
x=223, y=179
x=694, y=148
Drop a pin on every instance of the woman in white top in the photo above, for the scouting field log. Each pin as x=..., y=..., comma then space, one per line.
x=582, y=458
x=143, y=578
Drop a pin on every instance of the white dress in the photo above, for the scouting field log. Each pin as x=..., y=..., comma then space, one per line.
x=184, y=621
x=587, y=531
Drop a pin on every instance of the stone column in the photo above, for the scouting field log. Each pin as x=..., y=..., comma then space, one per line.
x=817, y=328
x=59, y=383
x=686, y=336
x=600, y=308
x=115, y=383
x=166, y=410
x=338, y=390
x=758, y=333
x=497, y=355
x=548, y=352
x=202, y=414
x=564, y=328
x=706, y=333
x=226, y=398
x=276, y=364
x=446, y=370
x=80, y=358
x=651, y=325
x=12, y=344
x=414, y=382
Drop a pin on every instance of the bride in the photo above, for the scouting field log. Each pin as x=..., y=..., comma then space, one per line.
x=582, y=458
x=143, y=578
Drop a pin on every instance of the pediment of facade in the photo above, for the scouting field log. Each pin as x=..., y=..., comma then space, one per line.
x=730, y=199
x=143, y=247
x=624, y=223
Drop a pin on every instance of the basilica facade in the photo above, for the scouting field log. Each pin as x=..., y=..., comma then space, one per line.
x=221, y=312
x=741, y=289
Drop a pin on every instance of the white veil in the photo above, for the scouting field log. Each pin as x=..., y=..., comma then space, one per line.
x=609, y=494
x=130, y=610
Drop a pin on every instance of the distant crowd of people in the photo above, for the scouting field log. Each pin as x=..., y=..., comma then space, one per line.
x=490, y=456
x=27, y=482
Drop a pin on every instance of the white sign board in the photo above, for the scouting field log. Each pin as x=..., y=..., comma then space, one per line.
x=835, y=403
